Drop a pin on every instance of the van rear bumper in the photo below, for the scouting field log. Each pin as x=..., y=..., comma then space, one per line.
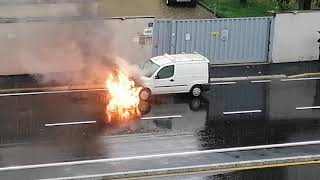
x=205, y=87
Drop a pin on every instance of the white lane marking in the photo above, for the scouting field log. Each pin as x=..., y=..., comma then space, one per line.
x=242, y=112
x=300, y=79
x=195, y=169
x=49, y=92
x=246, y=148
x=162, y=117
x=261, y=81
x=70, y=123
x=223, y=83
x=311, y=107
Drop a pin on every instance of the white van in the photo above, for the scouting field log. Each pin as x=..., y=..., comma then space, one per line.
x=179, y=73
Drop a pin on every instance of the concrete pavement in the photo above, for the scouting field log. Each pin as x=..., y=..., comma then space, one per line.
x=168, y=164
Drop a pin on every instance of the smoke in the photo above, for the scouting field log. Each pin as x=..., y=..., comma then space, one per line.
x=70, y=52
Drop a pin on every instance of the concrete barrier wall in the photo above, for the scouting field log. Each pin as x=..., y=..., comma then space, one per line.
x=31, y=47
x=295, y=37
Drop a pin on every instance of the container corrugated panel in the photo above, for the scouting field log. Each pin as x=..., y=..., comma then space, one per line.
x=162, y=37
x=222, y=41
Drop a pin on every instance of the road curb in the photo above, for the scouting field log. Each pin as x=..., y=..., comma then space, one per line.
x=57, y=88
x=239, y=64
x=223, y=167
x=305, y=75
x=95, y=87
x=279, y=76
x=265, y=77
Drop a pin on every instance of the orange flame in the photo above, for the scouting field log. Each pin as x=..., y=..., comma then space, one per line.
x=124, y=97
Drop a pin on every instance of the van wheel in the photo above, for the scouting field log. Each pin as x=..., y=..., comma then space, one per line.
x=144, y=107
x=145, y=94
x=196, y=91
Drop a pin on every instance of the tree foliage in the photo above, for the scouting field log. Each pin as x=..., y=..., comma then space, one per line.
x=305, y=4
x=243, y=3
x=285, y=5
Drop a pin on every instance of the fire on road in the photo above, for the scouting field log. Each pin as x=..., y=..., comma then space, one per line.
x=124, y=97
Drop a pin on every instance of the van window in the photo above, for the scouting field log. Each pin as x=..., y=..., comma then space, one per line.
x=166, y=72
x=149, y=68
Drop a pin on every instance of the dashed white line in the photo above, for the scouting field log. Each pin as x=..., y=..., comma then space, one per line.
x=310, y=107
x=242, y=112
x=261, y=81
x=300, y=79
x=49, y=92
x=162, y=117
x=70, y=123
x=224, y=150
x=223, y=83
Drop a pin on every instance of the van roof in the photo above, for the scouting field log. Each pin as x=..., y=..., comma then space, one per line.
x=165, y=59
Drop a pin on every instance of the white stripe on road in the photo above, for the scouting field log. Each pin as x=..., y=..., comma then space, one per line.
x=300, y=79
x=223, y=83
x=161, y=117
x=242, y=112
x=261, y=81
x=310, y=107
x=49, y=92
x=246, y=148
x=70, y=123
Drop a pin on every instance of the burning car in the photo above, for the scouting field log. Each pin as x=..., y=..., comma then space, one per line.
x=124, y=103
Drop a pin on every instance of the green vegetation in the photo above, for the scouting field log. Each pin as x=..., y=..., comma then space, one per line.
x=233, y=8
x=249, y=8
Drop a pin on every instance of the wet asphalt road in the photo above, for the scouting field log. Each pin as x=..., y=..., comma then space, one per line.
x=206, y=123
